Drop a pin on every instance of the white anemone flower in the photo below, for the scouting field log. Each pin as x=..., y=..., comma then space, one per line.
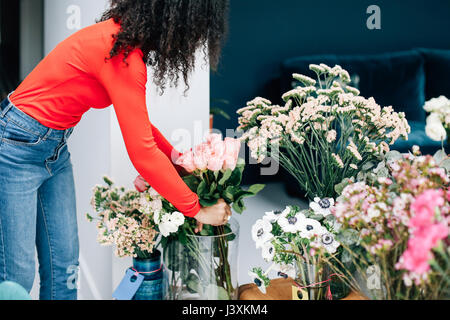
x=310, y=228
x=258, y=281
x=261, y=232
x=291, y=223
x=322, y=206
x=268, y=251
x=327, y=241
x=274, y=215
x=285, y=271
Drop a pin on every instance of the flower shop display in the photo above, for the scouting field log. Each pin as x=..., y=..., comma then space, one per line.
x=324, y=133
x=395, y=228
x=291, y=240
x=438, y=122
x=132, y=221
x=204, y=265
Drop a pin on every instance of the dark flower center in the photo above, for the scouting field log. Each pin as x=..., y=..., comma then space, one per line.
x=277, y=212
x=270, y=250
x=292, y=220
x=309, y=227
x=282, y=275
x=324, y=203
x=257, y=282
x=327, y=239
x=260, y=232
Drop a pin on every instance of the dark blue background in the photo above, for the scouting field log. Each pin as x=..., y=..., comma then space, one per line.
x=263, y=33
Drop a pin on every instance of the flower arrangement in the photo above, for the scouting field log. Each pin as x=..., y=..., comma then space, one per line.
x=325, y=132
x=292, y=239
x=215, y=172
x=395, y=228
x=132, y=220
x=438, y=122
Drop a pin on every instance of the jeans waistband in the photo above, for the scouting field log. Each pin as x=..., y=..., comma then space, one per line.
x=9, y=111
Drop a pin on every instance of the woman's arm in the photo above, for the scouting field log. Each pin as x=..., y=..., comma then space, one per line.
x=125, y=85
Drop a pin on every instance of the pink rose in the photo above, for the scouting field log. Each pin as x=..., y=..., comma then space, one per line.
x=140, y=184
x=232, y=148
x=186, y=160
x=201, y=155
x=217, y=152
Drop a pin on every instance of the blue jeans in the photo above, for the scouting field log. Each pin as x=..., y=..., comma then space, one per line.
x=37, y=206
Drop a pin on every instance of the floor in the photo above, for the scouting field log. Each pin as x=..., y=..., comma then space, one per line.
x=271, y=198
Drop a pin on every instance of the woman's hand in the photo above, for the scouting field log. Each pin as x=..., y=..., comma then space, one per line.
x=217, y=215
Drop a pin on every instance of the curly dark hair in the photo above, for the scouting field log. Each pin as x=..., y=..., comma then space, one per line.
x=169, y=32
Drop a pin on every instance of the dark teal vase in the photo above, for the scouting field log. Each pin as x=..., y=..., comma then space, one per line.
x=152, y=286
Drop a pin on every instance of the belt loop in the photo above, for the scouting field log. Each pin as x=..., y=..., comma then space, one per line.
x=6, y=110
x=49, y=132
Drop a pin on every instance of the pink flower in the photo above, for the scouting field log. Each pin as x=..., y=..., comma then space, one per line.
x=186, y=160
x=432, y=234
x=140, y=184
x=232, y=148
x=424, y=207
x=216, y=156
x=416, y=257
x=201, y=155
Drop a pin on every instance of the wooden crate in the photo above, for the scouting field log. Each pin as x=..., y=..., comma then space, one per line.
x=279, y=289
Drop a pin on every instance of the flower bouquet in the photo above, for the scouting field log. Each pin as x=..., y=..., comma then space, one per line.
x=131, y=221
x=204, y=265
x=324, y=133
x=438, y=122
x=395, y=228
x=292, y=239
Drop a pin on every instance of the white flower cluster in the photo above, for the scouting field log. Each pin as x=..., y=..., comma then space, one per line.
x=317, y=110
x=438, y=122
x=280, y=232
x=131, y=220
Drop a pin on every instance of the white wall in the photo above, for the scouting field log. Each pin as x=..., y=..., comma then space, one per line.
x=97, y=147
x=31, y=35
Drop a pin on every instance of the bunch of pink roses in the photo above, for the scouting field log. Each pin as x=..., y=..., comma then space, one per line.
x=401, y=222
x=214, y=154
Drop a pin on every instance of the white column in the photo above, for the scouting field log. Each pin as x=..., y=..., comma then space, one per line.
x=97, y=146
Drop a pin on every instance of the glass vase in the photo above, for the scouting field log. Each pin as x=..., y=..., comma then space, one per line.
x=312, y=281
x=205, y=268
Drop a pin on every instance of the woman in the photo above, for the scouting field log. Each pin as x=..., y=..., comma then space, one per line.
x=98, y=66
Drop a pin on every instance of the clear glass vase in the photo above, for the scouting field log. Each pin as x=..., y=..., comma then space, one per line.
x=205, y=268
x=313, y=281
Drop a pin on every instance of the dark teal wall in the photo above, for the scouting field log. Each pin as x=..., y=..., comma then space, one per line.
x=265, y=32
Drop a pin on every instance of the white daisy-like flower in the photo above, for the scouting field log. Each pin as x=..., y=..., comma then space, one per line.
x=261, y=232
x=310, y=228
x=274, y=215
x=327, y=241
x=291, y=223
x=322, y=206
x=285, y=271
x=258, y=281
x=156, y=217
x=268, y=251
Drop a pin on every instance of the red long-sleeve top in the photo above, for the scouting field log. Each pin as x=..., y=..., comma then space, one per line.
x=77, y=75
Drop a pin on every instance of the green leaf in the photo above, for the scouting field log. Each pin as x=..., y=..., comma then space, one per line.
x=239, y=206
x=89, y=217
x=256, y=188
x=193, y=283
x=202, y=188
x=225, y=177
x=228, y=194
x=208, y=202
x=192, y=182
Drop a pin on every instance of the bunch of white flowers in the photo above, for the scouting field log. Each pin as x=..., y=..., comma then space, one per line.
x=438, y=122
x=324, y=132
x=292, y=236
x=131, y=220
